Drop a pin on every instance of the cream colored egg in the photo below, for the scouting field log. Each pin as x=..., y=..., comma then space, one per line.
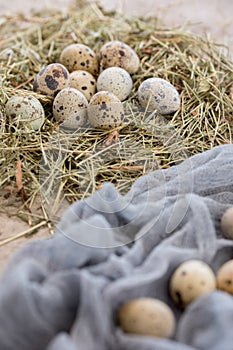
x=160, y=95
x=190, y=280
x=147, y=316
x=79, y=57
x=227, y=223
x=84, y=82
x=118, y=54
x=51, y=79
x=105, y=110
x=116, y=80
x=70, y=108
x=225, y=277
x=25, y=111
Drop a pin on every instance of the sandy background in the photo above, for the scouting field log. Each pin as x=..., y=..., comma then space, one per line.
x=208, y=17
x=212, y=18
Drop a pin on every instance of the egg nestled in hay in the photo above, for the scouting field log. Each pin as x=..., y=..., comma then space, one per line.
x=25, y=111
x=79, y=57
x=105, y=110
x=119, y=54
x=116, y=80
x=70, y=108
x=84, y=82
x=51, y=79
x=160, y=95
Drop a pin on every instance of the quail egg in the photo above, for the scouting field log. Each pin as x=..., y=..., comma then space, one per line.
x=225, y=277
x=84, y=82
x=25, y=111
x=51, y=79
x=70, y=107
x=147, y=316
x=190, y=280
x=158, y=94
x=79, y=57
x=227, y=223
x=105, y=110
x=116, y=80
x=119, y=54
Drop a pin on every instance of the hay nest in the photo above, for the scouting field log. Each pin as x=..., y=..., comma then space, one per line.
x=61, y=165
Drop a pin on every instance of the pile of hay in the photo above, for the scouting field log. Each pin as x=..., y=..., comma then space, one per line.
x=60, y=165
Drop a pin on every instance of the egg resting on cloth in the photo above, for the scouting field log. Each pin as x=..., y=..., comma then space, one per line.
x=59, y=294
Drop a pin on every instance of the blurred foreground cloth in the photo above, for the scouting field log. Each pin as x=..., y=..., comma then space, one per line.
x=62, y=293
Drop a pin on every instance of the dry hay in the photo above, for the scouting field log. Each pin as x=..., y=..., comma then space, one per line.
x=58, y=164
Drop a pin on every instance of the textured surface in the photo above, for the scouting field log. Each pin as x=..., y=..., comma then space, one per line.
x=70, y=107
x=105, y=110
x=160, y=95
x=79, y=56
x=51, y=79
x=117, y=80
x=84, y=82
x=68, y=284
x=26, y=111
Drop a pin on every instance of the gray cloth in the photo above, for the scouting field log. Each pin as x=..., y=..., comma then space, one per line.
x=63, y=293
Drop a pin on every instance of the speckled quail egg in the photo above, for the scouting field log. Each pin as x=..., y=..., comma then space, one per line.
x=147, y=316
x=84, y=82
x=225, y=277
x=70, y=107
x=25, y=111
x=105, y=110
x=227, y=223
x=51, y=79
x=116, y=80
x=119, y=54
x=158, y=94
x=190, y=280
x=79, y=57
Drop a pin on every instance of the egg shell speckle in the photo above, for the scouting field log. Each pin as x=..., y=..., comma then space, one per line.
x=51, y=79
x=147, y=316
x=118, y=54
x=105, y=110
x=80, y=57
x=116, y=80
x=225, y=277
x=26, y=111
x=190, y=280
x=227, y=223
x=84, y=82
x=159, y=94
x=70, y=107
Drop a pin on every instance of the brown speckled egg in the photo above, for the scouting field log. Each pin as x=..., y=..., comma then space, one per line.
x=116, y=80
x=225, y=277
x=227, y=223
x=51, y=79
x=147, y=316
x=70, y=107
x=119, y=54
x=160, y=95
x=190, y=280
x=84, y=82
x=105, y=110
x=79, y=57
x=26, y=111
